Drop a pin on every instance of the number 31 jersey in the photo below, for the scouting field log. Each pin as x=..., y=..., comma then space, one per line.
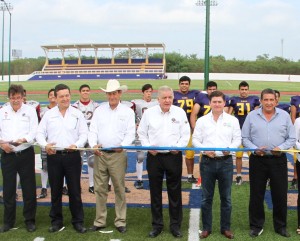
x=242, y=106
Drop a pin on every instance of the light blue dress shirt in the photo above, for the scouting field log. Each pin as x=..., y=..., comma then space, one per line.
x=279, y=131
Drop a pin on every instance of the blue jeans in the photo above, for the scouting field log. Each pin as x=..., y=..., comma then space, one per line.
x=212, y=170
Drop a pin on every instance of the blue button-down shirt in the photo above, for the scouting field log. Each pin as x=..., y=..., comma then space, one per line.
x=279, y=131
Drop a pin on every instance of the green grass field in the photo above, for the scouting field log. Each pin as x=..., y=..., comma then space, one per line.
x=35, y=86
x=139, y=223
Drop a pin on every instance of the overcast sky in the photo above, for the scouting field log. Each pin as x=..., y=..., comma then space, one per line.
x=240, y=29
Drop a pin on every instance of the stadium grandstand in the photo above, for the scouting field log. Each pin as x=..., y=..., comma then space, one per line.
x=102, y=67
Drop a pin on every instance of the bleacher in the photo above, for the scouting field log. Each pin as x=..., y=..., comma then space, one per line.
x=102, y=68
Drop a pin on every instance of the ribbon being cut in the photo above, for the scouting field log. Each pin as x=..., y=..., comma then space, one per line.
x=171, y=148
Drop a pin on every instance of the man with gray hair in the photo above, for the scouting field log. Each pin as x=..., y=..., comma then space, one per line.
x=165, y=125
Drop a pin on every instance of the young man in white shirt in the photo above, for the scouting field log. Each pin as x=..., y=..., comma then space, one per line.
x=87, y=107
x=141, y=105
x=220, y=130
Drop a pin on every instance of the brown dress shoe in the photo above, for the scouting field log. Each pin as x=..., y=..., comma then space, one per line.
x=228, y=234
x=204, y=234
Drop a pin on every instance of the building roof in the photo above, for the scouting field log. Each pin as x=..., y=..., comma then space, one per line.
x=101, y=46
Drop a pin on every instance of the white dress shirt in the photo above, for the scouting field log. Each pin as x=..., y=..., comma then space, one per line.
x=223, y=133
x=297, y=129
x=64, y=131
x=18, y=125
x=158, y=128
x=112, y=127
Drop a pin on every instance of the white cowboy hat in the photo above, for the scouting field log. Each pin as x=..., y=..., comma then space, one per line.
x=114, y=85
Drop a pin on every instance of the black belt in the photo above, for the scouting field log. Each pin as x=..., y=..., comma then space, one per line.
x=65, y=152
x=167, y=153
x=164, y=153
x=218, y=158
x=270, y=156
x=17, y=153
x=109, y=151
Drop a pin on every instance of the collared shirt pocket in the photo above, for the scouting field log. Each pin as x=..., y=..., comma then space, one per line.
x=175, y=125
x=122, y=124
x=25, y=122
x=227, y=129
x=6, y=124
x=54, y=123
x=73, y=123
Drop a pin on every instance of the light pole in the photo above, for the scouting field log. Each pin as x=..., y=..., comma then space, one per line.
x=8, y=8
x=282, y=48
x=3, y=8
x=179, y=58
x=207, y=5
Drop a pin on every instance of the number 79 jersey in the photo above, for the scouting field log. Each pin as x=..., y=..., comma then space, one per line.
x=185, y=101
x=242, y=106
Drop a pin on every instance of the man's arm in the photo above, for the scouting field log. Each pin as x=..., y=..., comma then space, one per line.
x=33, y=126
x=293, y=113
x=297, y=129
x=246, y=134
x=291, y=136
x=185, y=132
x=82, y=131
x=130, y=131
x=143, y=130
x=236, y=135
x=194, y=114
x=197, y=138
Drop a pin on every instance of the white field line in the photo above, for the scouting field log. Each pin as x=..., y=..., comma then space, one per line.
x=194, y=224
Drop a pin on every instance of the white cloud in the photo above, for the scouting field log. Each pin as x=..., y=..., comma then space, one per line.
x=239, y=28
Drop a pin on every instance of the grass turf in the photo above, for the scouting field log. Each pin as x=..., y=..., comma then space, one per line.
x=35, y=86
x=139, y=223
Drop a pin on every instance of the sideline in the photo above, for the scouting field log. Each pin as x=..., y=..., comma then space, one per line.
x=194, y=224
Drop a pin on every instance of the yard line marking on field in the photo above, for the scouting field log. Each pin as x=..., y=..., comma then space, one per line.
x=229, y=83
x=194, y=224
x=115, y=240
x=105, y=231
x=39, y=239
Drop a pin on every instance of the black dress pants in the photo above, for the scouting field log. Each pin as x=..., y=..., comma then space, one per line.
x=260, y=169
x=169, y=165
x=60, y=165
x=22, y=162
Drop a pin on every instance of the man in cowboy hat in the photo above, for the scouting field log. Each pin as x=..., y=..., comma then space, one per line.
x=112, y=125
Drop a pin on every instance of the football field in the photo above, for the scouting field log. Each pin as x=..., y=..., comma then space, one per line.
x=139, y=216
x=37, y=90
x=138, y=212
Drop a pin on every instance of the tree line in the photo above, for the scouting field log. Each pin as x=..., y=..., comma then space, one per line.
x=176, y=62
